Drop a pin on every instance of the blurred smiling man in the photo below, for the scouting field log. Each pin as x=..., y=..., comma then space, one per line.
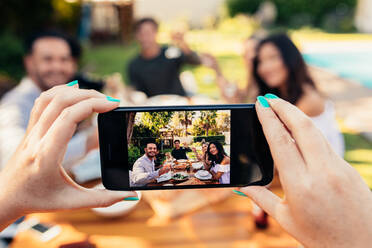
x=50, y=60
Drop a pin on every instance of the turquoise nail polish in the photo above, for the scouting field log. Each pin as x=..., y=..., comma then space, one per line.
x=239, y=193
x=131, y=199
x=271, y=96
x=264, y=103
x=72, y=83
x=112, y=99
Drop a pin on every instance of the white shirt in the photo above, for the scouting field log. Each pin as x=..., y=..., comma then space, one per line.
x=143, y=171
x=225, y=169
x=326, y=123
x=15, y=110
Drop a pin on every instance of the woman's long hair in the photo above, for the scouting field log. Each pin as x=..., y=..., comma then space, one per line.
x=216, y=159
x=298, y=74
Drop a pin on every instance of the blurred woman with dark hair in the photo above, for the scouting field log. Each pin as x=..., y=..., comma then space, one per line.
x=280, y=69
x=220, y=162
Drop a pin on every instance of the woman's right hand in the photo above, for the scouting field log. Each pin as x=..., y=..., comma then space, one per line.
x=326, y=203
x=34, y=179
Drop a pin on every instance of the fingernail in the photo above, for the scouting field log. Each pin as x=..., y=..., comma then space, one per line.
x=72, y=83
x=112, y=99
x=239, y=193
x=262, y=100
x=131, y=199
x=271, y=96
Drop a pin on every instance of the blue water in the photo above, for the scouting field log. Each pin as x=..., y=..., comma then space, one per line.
x=350, y=65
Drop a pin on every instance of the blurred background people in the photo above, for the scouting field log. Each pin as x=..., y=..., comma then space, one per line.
x=51, y=59
x=278, y=68
x=229, y=91
x=156, y=70
x=275, y=65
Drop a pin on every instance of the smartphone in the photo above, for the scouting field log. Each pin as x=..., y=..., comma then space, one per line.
x=44, y=232
x=183, y=147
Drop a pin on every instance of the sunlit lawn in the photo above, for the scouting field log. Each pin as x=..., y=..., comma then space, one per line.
x=225, y=45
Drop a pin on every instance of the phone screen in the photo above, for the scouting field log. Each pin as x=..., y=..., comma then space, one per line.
x=183, y=147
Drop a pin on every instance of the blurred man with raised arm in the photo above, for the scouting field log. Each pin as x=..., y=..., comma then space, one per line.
x=156, y=70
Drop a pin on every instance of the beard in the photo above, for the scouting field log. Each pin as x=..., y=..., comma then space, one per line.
x=45, y=81
x=150, y=154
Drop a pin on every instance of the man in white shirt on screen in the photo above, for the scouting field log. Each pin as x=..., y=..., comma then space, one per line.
x=50, y=60
x=144, y=168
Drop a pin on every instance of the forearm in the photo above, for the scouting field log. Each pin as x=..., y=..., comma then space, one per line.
x=144, y=177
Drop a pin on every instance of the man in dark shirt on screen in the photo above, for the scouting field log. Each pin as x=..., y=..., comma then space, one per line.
x=156, y=70
x=179, y=152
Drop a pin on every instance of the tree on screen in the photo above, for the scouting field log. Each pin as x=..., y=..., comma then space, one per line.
x=208, y=120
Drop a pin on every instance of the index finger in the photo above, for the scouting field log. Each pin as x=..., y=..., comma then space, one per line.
x=283, y=150
x=311, y=142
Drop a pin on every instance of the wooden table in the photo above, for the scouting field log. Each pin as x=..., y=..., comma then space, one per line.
x=226, y=224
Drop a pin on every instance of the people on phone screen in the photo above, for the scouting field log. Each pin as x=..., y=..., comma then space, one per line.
x=143, y=171
x=220, y=162
x=179, y=152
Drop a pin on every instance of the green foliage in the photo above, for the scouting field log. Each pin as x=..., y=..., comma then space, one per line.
x=297, y=13
x=25, y=17
x=219, y=138
x=142, y=134
x=133, y=154
x=235, y=7
x=156, y=120
x=208, y=120
x=11, y=63
x=185, y=119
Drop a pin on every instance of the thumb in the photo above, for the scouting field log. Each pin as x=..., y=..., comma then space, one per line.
x=94, y=198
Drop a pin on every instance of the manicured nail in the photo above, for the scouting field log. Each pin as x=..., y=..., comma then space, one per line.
x=72, y=83
x=239, y=193
x=112, y=99
x=271, y=96
x=262, y=100
x=131, y=199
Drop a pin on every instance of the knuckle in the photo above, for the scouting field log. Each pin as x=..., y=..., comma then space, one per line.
x=66, y=113
x=93, y=92
x=59, y=99
x=282, y=139
x=305, y=124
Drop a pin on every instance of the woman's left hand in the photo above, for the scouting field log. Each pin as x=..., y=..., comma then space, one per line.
x=34, y=179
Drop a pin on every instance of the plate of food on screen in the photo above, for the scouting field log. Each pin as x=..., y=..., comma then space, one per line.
x=180, y=176
x=203, y=175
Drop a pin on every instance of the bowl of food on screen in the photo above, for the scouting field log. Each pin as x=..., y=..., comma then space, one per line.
x=180, y=176
x=118, y=209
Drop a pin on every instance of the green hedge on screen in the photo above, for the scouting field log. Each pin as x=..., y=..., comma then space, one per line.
x=219, y=138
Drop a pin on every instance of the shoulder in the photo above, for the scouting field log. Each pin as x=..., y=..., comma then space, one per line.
x=312, y=103
x=225, y=161
x=134, y=61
